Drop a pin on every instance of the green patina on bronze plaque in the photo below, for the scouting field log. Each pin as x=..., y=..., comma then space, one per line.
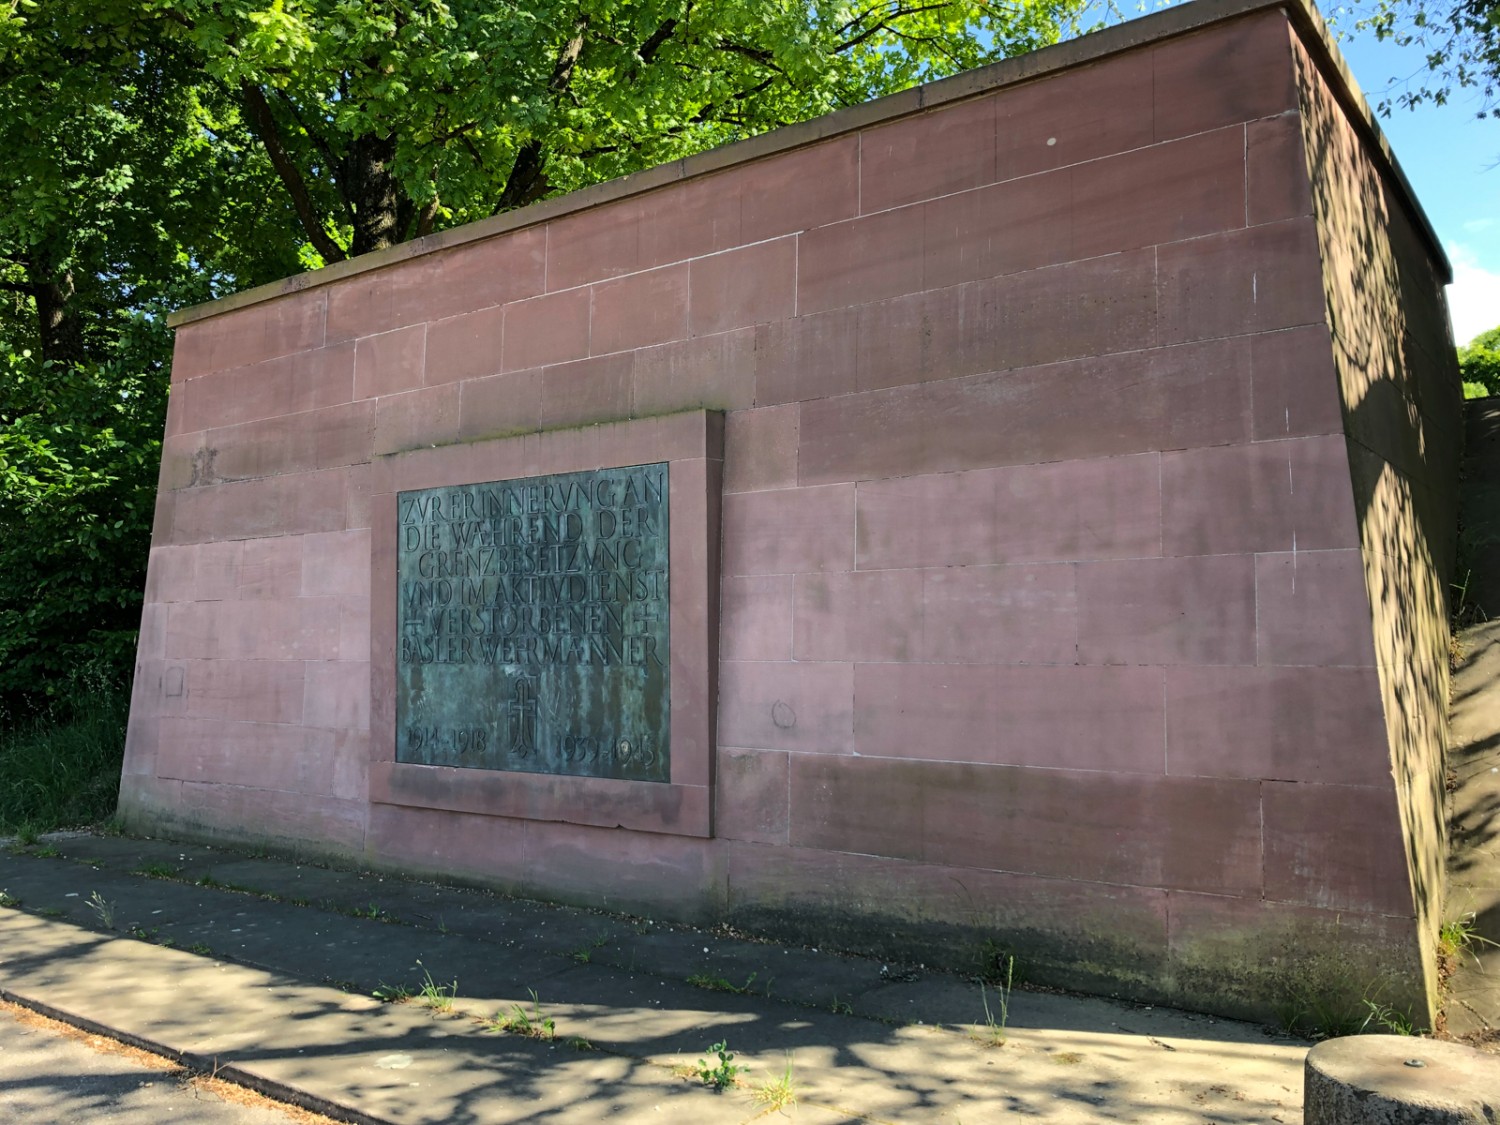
x=533, y=625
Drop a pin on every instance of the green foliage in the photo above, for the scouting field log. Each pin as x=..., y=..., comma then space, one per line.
x=128, y=189
x=61, y=768
x=163, y=152
x=79, y=449
x=392, y=993
x=995, y=1033
x=1479, y=365
x=103, y=908
x=722, y=984
x=1461, y=42
x=386, y=121
x=438, y=997
x=778, y=1093
x=531, y=1024
x=1388, y=1019
x=723, y=1073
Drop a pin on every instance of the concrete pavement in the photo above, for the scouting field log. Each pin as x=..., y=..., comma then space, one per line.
x=51, y=1073
x=265, y=969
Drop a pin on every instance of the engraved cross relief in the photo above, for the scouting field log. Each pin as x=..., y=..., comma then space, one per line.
x=521, y=711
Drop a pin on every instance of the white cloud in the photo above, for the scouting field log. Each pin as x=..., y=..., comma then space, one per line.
x=1474, y=295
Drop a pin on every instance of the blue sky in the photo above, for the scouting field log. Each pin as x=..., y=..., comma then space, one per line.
x=1453, y=162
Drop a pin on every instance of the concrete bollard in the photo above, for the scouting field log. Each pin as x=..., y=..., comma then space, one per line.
x=1399, y=1080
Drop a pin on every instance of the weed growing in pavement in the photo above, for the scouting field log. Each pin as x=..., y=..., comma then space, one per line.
x=157, y=870
x=104, y=909
x=27, y=833
x=200, y=949
x=841, y=1007
x=722, y=1074
x=778, y=1093
x=579, y=1043
x=438, y=997
x=720, y=984
x=8, y=899
x=1460, y=936
x=585, y=953
x=994, y=1035
x=533, y=1025
x=46, y=851
x=392, y=993
x=140, y=933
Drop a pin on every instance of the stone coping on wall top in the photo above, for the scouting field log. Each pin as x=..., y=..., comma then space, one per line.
x=1157, y=27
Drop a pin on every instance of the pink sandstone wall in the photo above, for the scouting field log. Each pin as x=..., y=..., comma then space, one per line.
x=1400, y=392
x=1043, y=618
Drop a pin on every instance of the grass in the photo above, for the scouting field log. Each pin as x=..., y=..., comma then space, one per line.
x=157, y=870
x=994, y=1033
x=531, y=1024
x=778, y=1093
x=585, y=953
x=1389, y=1019
x=438, y=997
x=1459, y=936
x=720, y=984
x=103, y=908
x=392, y=993
x=61, y=768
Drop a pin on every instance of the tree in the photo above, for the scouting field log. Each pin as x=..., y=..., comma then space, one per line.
x=163, y=152
x=1461, y=39
x=385, y=121
x=122, y=175
x=1479, y=365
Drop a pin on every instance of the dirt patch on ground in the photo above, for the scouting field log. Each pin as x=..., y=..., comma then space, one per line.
x=202, y=1085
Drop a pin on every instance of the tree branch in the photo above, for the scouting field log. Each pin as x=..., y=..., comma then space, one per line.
x=657, y=38
x=263, y=124
x=883, y=25
x=318, y=140
x=527, y=181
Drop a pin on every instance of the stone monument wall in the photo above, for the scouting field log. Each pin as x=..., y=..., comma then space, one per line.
x=1021, y=562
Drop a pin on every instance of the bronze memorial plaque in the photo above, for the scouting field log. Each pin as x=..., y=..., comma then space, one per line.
x=533, y=625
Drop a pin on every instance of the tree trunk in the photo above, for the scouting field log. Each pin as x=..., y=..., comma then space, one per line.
x=373, y=193
x=58, y=328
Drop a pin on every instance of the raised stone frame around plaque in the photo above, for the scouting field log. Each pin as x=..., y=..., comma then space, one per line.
x=673, y=796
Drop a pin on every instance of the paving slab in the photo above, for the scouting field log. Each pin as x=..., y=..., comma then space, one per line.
x=280, y=994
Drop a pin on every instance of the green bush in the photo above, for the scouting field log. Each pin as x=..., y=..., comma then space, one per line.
x=60, y=766
x=1479, y=365
x=80, y=447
